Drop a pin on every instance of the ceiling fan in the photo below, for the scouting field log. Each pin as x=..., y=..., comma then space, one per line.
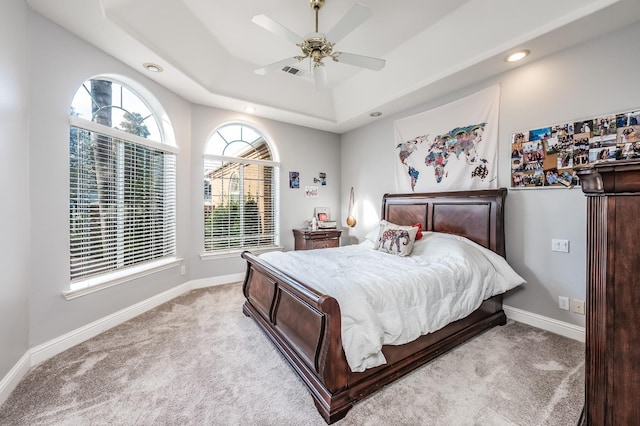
x=317, y=46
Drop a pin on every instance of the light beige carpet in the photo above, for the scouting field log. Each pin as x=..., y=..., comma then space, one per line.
x=197, y=360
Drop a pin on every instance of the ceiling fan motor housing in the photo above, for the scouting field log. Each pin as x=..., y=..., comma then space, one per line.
x=316, y=4
x=317, y=47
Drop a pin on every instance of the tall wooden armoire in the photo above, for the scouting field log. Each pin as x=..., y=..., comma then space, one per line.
x=613, y=293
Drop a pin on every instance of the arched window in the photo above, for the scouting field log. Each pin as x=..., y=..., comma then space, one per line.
x=122, y=195
x=241, y=181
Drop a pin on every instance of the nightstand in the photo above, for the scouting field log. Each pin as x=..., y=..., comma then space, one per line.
x=306, y=239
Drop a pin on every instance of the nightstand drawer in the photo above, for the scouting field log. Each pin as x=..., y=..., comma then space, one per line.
x=305, y=239
x=322, y=243
x=321, y=235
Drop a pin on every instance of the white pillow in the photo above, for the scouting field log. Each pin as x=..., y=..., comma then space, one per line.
x=374, y=233
x=396, y=239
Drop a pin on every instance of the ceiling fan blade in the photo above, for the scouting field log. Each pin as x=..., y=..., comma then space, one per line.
x=320, y=77
x=368, y=62
x=349, y=22
x=277, y=28
x=276, y=66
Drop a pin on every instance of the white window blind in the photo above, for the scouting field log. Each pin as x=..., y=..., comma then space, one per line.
x=240, y=205
x=240, y=191
x=122, y=208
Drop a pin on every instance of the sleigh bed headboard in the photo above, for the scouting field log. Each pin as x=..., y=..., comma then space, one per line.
x=477, y=215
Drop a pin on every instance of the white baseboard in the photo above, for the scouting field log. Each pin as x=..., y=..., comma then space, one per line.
x=13, y=377
x=43, y=352
x=562, y=328
x=223, y=279
x=55, y=346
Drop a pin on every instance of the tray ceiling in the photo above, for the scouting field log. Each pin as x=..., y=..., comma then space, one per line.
x=209, y=49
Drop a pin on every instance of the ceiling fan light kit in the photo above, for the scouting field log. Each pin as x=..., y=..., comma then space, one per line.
x=317, y=46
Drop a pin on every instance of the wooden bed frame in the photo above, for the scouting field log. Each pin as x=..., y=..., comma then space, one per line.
x=305, y=324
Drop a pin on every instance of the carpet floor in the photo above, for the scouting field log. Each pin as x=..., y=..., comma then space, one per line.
x=197, y=360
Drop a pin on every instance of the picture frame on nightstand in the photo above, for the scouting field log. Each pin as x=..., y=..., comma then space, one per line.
x=323, y=217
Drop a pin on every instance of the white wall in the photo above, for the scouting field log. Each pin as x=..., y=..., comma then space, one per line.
x=597, y=77
x=34, y=183
x=64, y=63
x=14, y=183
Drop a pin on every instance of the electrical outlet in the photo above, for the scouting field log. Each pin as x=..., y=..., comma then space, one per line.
x=560, y=245
x=577, y=306
x=183, y=270
x=563, y=303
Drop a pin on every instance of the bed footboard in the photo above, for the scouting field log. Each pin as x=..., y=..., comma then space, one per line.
x=306, y=327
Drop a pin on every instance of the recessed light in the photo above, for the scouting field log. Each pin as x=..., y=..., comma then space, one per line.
x=375, y=114
x=152, y=67
x=249, y=109
x=516, y=56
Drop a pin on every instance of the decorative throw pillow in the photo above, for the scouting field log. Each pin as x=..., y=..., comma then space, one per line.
x=419, y=234
x=396, y=239
x=376, y=241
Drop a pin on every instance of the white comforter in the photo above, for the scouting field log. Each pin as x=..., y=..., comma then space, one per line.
x=391, y=300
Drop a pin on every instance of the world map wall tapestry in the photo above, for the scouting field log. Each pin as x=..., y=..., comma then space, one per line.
x=451, y=147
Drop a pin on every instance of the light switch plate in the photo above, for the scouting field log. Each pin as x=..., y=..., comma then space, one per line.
x=560, y=245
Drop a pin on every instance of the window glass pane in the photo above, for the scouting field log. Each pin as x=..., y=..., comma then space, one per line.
x=113, y=105
x=81, y=104
x=237, y=149
x=216, y=145
x=235, y=140
x=250, y=135
x=231, y=133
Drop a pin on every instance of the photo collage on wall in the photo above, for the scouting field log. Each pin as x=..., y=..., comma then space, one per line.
x=548, y=156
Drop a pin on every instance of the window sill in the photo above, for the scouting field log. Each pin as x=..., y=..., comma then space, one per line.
x=91, y=285
x=237, y=253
